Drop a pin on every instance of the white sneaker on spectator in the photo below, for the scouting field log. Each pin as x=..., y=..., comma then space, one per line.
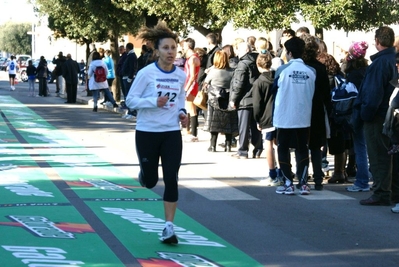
x=191, y=138
x=305, y=190
x=396, y=208
x=128, y=116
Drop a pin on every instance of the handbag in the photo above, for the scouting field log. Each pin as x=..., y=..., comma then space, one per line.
x=201, y=99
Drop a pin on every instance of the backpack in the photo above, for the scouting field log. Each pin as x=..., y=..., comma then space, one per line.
x=343, y=97
x=100, y=75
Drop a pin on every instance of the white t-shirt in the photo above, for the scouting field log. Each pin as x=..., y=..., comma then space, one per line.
x=12, y=67
x=150, y=83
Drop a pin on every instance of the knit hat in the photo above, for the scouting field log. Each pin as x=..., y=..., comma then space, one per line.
x=357, y=50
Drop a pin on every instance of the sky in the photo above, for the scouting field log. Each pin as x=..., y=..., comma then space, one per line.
x=16, y=11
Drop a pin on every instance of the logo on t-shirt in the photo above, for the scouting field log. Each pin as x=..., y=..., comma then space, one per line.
x=299, y=76
x=12, y=65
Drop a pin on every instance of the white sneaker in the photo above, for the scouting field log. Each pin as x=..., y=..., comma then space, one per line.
x=12, y=88
x=168, y=235
x=128, y=116
x=265, y=181
x=191, y=138
x=305, y=190
x=109, y=104
x=396, y=208
x=355, y=188
x=268, y=181
x=285, y=190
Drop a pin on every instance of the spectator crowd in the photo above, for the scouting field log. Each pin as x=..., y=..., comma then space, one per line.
x=268, y=101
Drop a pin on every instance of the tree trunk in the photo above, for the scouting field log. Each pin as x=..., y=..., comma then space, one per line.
x=319, y=33
x=114, y=45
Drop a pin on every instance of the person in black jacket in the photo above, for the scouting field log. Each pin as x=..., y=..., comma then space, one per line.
x=321, y=102
x=263, y=99
x=119, y=74
x=58, y=71
x=372, y=104
x=70, y=71
x=31, y=72
x=129, y=71
x=241, y=98
x=42, y=76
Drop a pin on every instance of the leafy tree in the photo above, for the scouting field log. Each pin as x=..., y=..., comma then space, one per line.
x=14, y=38
x=351, y=15
x=212, y=15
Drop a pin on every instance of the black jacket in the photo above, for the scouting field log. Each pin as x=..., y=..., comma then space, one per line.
x=59, y=62
x=263, y=99
x=321, y=100
x=41, y=69
x=119, y=66
x=130, y=66
x=244, y=76
x=70, y=70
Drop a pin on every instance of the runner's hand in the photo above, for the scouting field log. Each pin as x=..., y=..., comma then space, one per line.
x=161, y=101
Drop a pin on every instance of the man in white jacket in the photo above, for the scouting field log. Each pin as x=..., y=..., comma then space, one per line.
x=295, y=84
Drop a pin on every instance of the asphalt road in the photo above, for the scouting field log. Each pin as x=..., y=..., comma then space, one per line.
x=327, y=228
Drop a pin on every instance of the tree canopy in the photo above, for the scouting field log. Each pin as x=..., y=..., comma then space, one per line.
x=104, y=19
x=14, y=38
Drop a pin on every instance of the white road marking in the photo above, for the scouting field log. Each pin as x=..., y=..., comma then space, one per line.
x=215, y=190
x=326, y=195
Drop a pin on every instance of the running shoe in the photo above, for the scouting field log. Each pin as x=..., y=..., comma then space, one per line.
x=355, y=188
x=305, y=190
x=285, y=190
x=168, y=235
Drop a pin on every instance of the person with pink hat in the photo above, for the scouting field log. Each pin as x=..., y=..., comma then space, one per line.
x=354, y=67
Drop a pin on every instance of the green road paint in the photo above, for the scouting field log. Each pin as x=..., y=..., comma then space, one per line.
x=50, y=236
x=106, y=220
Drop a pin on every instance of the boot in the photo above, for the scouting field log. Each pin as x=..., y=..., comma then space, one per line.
x=194, y=125
x=227, y=147
x=351, y=167
x=212, y=147
x=339, y=169
x=188, y=124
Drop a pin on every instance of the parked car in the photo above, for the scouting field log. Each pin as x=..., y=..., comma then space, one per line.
x=4, y=64
x=24, y=77
x=22, y=60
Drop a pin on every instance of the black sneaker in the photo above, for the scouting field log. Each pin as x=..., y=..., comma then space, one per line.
x=318, y=187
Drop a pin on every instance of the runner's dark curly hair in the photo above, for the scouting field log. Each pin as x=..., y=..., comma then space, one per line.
x=156, y=34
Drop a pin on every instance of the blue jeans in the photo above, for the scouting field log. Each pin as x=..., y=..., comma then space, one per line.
x=359, y=145
x=126, y=88
x=107, y=93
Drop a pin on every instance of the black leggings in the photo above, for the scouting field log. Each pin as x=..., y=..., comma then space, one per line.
x=150, y=146
x=293, y=138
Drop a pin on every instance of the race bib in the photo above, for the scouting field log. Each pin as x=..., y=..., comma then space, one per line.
x=169, y=88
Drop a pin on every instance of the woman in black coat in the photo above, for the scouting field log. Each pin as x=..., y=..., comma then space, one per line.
x=42, y=76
